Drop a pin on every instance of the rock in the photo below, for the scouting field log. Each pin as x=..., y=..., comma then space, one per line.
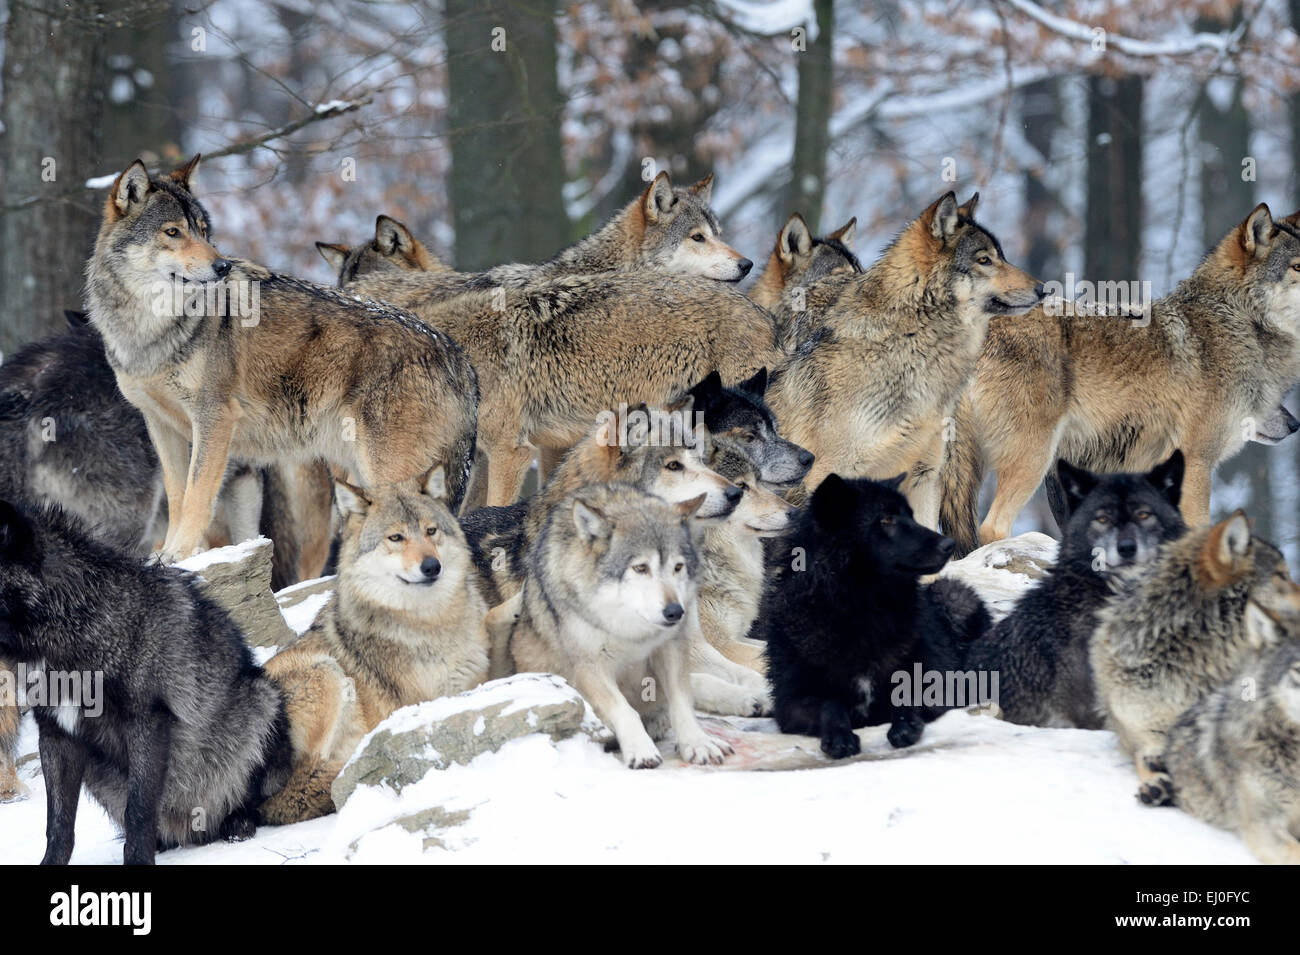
x=238, y=578
x=1000, y=572
x=455, y=729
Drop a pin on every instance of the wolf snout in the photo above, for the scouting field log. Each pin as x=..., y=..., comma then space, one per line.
x=1126, y=547
x=806, y=459
x=733, y=494
x=946, y=546
x=1040, y=291
x=431, y=567
x=673, y=613
x=221, y=267
x=744, y=265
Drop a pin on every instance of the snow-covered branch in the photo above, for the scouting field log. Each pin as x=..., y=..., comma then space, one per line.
x=1129, y=46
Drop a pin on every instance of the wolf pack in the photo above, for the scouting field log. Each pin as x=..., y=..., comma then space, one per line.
x=744, y=503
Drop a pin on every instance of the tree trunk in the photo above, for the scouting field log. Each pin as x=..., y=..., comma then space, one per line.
x=53, y=103
x=812, y=131
x=503, y=120
x=1040, y=111
x=1113, y=232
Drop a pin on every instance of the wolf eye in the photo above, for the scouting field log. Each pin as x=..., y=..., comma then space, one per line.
x=1102, y=519
x=678, y=569
x=1142, y=515
x=887, y=519
x=698, y=237
x=641, y=568
x=432, y=531
x=173, y=232
x=396, y=538
x=984, y=259
x=673, y=465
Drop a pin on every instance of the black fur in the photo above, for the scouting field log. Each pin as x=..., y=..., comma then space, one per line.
x=1040, y=650
x=187, y=720
x=857, y=614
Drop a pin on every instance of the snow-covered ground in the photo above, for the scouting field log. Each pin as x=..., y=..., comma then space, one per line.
x=974, y=789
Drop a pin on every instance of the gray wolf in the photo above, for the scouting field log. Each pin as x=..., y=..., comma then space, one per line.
x=608, y=604
x=393, y=248
x=849, y=614
x=1040, y=651
x=666, y=227
x=1234, y=757
x=885, y=355
x=309, y=373
x=1169, y=636
x=798, y=261
x=404, y=625
x=1201, y=372
x=185, y=736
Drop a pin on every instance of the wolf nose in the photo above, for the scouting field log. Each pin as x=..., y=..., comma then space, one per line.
x=1127, y=549
x=744, y=265
x=1041, y=291
x=673, y=612
x=221, y=267
x=806, y=459
x=733, y=493
x=431, y=567
x=946, y=546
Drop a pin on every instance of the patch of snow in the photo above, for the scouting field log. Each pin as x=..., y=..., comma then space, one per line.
x=231, y=554
x=303, y=614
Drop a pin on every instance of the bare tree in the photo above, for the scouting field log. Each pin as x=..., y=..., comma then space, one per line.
x=812, y=131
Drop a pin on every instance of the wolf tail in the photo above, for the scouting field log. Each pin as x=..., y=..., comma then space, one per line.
x=960, y=478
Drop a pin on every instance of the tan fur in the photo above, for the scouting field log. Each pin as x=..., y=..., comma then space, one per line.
x=899, y=344
x=1106, y=393
x=11, y=787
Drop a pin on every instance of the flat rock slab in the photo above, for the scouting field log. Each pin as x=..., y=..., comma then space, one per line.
x=238, y=578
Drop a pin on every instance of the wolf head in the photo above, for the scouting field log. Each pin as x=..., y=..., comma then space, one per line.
x=635, y=552
x=662, y=451
x=1120, y=520
x=393, y=249
x=872, y=523
x=402, y=547
x=946, y=252
x=674, y=229
x=1278, y=640
x=740, y=417
x=1262, y=257
x=154, y=229
x=799, y=259
x=1231, y=556
x=760, y=512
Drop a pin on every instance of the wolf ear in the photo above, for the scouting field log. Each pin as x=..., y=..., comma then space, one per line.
x=967, y=208
x=335, y=255
x=77, y=321
x=703, y=190
x=707, y=390
x=1261, y=629
x=638, y=427
x=589, y=521
x=1257, y=231
x=1234, y=538
x=658, y=198
x=392, y=237
x=17, y=538
x=350, y=499
x=895, y=482
x=833, y=499
x=434, y=482
x=686, y=509
x=943, y=216
x=1167, y=478
x=845, y=233
x=184, y=176
x=756, y=384
x=130, y=188
x=795, y=239
x=1077, y=484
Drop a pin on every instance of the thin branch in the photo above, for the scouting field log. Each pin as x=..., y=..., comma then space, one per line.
x=1130, y=46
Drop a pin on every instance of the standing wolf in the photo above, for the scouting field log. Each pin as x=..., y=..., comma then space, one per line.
x=872, y=386
x=1234, y=757
x=609, y=604
x=1171, y=635
x=308, y=373
x=666, y=227
x=1204, y=370
x=404, y=625
x=174, y=731
x=1040, y=650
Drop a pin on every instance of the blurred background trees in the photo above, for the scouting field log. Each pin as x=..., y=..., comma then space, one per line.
x=1111, y=140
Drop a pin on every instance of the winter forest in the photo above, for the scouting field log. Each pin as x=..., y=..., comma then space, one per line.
x=1112, y=140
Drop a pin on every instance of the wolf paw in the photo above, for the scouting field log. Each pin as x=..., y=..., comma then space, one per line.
x=238, y=828
x=642, y=757
x=703, y=751
x=1157, y=792
x=902, y=735
x=16, y=792
x=841, y=744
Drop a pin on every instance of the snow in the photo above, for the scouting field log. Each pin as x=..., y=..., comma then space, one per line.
x=303, y=614
x=973, y=789
x=231, y=554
